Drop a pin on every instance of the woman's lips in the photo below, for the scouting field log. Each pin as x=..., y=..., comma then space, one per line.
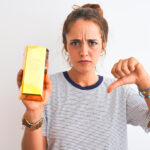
x=84, y=61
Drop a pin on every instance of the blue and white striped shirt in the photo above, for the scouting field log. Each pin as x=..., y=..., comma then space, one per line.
x=88, y=118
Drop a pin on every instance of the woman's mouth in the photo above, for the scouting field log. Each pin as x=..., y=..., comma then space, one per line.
x=84, y=61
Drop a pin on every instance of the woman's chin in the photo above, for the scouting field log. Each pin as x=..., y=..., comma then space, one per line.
x=84, y=69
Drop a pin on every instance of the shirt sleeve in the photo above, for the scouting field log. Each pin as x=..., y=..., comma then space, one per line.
x=138, y=113
x=45, y=116
x=44, y=126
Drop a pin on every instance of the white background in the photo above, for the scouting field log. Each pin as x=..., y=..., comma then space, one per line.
x=36, y=22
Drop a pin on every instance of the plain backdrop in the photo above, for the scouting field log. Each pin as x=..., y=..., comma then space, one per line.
x=39, y=22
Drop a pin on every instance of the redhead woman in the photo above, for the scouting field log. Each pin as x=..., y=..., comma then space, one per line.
x=83, y=110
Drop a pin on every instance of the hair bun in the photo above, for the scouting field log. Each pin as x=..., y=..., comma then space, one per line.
x=94, y=6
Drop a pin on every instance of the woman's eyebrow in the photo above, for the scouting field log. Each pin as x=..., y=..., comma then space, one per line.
x=92, y=40
x=78, y=40
x=75, y=40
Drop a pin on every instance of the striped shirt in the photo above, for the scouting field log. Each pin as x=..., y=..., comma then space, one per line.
x=88, y=118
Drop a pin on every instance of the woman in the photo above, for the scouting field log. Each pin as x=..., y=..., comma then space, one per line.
x=83, y=110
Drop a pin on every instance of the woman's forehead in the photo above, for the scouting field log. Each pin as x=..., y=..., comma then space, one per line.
x=84, y=28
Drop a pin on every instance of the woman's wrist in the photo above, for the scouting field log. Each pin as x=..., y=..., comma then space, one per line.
x=143, y=85
x=33, y=116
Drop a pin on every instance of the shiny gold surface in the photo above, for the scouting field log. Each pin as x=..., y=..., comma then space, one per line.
x=33, y=73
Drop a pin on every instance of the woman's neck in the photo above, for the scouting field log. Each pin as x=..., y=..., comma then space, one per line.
x=83, y=79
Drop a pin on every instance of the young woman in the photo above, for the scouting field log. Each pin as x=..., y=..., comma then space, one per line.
x=82, y=110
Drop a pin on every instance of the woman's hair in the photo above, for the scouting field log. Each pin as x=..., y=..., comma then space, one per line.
x=92, y=12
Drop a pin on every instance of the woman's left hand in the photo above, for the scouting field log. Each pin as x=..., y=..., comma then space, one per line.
x=129, y=71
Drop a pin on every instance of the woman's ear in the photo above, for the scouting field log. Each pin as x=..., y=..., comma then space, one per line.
x=104, y=46
x=65, y=46
x=103, y=49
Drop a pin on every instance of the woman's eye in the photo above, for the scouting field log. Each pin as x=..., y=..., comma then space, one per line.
x=75, y=43
x=92, y=43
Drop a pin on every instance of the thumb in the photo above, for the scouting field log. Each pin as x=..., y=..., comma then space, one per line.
x=114, y=85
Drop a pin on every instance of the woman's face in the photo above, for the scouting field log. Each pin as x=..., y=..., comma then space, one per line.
x=84, y=45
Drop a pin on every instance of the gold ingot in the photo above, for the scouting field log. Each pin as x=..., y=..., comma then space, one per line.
x=34, y=73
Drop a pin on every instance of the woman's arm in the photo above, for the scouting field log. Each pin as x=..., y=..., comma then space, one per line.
x=32, y=138
x=130, y=71
x=142, y=86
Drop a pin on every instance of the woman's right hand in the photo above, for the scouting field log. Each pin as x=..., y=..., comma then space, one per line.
x=36, y=105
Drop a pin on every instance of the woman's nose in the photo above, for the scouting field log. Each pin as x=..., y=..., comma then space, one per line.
x=84, y=50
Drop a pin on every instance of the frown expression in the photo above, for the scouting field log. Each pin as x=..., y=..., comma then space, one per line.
x=84, y=44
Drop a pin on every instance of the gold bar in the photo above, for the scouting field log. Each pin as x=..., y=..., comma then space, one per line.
x=34, y=73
